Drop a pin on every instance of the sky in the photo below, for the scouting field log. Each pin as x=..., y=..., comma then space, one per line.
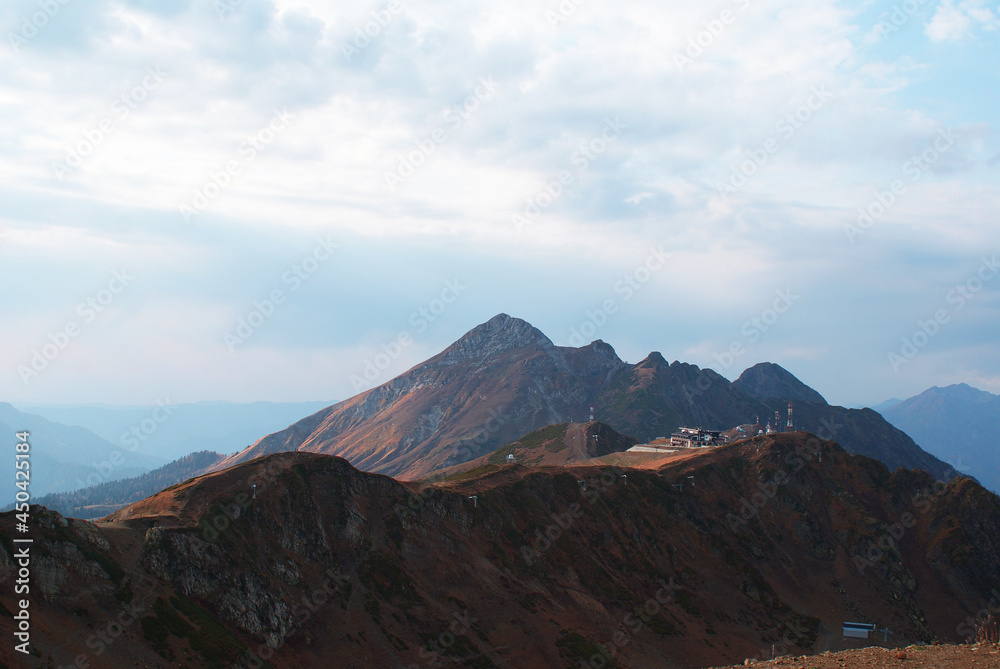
x=297, y=199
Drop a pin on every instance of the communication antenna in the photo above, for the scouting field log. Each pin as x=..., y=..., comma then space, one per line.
x=790, y=429
x=777, y=421
x=255, y=491
x=591, y=413
x=475, y=502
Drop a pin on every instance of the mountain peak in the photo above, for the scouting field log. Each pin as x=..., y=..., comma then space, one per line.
x=499, y=334
x=964, y=390
x=654, y=358
x=767, y=380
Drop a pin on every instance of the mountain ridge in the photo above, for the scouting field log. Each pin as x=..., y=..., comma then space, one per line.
x=957, y=423
x=768, y=548
x=67, y=457
x=504, y=379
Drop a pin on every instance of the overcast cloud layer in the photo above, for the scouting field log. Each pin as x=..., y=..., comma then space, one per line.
x=253, y=200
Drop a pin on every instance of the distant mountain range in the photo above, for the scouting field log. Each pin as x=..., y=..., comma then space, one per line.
x=65, y=457
x=100, y=500
x=170, y=431
x=959, y=424
x=504, y=379
x=888, y=404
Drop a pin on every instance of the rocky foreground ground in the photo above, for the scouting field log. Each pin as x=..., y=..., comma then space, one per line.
x=985, y=656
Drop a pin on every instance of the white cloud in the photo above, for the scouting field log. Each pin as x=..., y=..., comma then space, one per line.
x=952, y=23
x=949, y=23
x=639, y=197
x=354, y=120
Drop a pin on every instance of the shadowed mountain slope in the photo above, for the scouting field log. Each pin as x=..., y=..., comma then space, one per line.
x=767, y=380
x=311, y=562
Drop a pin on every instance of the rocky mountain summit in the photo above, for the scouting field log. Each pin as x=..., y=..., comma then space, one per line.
x=504, y=379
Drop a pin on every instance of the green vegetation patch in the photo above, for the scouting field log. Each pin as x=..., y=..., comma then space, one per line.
x=577, y=647
x=155, y=632
x=663, y=627
x=212, y=640
x=472, y=473
x=554, y=433
x=683, y=598
x=125, y=594
x=555, y=446
x=460, y=649
x=183, y=619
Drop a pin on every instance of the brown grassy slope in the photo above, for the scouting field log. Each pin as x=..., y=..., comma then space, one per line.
x=914, y=657
x=550, y=570
x=552, y=446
